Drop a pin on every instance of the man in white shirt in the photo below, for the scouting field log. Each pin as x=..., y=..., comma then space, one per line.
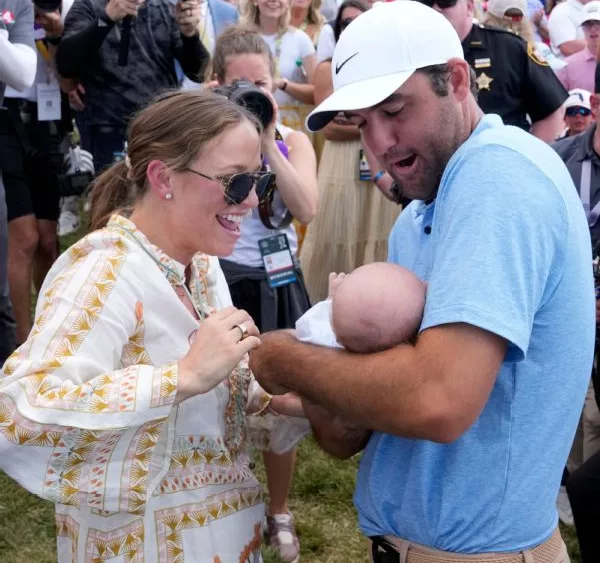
x=566, y=34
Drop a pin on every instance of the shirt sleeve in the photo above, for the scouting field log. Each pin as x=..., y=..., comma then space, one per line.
x=82, y=36
x=22, y=30
x=71, y=416
x=305, y=45
x=189, y=51
x=542, y=91
x=326, y=44
x=499, y=233
x=560, y=26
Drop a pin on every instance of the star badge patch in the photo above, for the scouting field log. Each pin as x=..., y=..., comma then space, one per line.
x=484, y=81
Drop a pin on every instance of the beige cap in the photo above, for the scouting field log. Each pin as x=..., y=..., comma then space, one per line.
x=499, y=7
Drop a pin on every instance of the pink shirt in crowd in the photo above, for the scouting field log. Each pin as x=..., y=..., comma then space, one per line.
x=579, y=72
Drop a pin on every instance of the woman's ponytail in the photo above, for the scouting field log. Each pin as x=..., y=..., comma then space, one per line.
x=111, y=193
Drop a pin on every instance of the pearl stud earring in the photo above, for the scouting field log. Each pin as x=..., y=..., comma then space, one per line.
x=169, y=196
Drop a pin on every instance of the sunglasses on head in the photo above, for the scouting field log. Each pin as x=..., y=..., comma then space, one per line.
x=237, y=187
x=441, y=4
x=574, y=111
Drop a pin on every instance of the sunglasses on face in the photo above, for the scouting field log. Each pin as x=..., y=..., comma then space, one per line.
x=237, y=187
x=441, y=4
x=574, y=111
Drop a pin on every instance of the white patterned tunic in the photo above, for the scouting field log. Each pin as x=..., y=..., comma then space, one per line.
x=87, y=418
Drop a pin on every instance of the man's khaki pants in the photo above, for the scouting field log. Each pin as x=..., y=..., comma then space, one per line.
x=587, y=438
x=553, y=550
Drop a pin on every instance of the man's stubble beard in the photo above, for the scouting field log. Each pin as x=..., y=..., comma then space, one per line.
x=434, y=165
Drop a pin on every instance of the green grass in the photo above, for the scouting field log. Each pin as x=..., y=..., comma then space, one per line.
x=321, y=501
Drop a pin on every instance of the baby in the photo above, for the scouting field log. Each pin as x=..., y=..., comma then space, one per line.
x=376, y=307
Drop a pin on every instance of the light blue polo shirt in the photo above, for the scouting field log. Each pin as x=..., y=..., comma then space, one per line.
x=509, y=251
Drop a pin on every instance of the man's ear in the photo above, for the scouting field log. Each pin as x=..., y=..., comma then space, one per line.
x=460, y=78
x=470, y=8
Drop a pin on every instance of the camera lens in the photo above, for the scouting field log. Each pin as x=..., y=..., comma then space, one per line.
x=257, y=103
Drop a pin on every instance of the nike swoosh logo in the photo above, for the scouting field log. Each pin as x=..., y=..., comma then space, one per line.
x=341, y=66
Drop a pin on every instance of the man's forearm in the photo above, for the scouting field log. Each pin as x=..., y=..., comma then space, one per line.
x=73, y=54
x=433, y=390
x=356, y=387
x=571, y=47
x=194, y=57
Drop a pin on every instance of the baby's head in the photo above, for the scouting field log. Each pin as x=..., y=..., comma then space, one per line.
x=376, y=307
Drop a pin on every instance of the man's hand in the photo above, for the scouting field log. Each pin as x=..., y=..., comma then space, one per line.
x=75, y=98
x=187, y=16
x=335, y=437
x=260, y=360
x=117, y=10
x=50, y=22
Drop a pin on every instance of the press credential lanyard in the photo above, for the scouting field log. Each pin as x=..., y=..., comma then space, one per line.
x=585, y=192
x=48, y=92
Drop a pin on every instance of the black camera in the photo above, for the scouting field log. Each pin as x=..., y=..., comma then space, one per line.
x=246, y=94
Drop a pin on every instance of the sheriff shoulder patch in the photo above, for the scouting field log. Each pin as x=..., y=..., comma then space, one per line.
x=535, y=56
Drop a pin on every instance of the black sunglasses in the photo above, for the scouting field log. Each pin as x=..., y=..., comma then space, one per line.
x=442, y=4
x=237, y=187
x=573, y=111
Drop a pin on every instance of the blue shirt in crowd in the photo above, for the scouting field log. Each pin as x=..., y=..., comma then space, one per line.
x=508, y=251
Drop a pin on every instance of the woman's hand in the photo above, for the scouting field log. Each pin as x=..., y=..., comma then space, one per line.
x=268, y=136
x=215, y=351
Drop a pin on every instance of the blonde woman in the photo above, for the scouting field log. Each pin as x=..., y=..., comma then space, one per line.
x=294, y=55
x=510, y=15
x=306, y=15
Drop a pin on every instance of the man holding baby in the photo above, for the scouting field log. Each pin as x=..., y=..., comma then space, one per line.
x=467, y=426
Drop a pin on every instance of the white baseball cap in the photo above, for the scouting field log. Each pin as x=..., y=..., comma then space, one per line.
x=578, y=97
x=499, y=7
x=591, y=12
x=379, y=51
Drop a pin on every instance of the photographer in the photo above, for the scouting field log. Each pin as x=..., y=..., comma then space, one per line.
x=17, y=69
x=273, y=300
x=123, y=53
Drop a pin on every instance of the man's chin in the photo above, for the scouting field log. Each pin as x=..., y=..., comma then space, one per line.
x=401, y=192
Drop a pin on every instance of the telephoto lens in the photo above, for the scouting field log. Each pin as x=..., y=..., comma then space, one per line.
x=246, y=94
